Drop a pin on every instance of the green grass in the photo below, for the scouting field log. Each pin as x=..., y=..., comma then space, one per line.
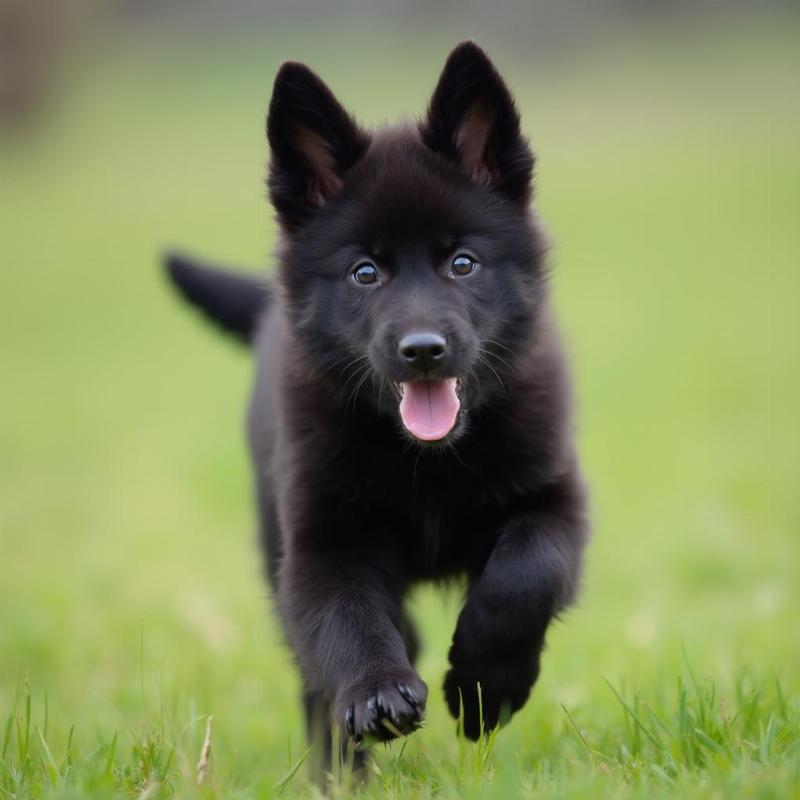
x=131, y=603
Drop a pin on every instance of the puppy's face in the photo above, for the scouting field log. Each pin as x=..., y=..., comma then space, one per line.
x=411, y=265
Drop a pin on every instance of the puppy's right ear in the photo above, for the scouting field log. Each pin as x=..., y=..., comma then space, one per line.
x=314, y=142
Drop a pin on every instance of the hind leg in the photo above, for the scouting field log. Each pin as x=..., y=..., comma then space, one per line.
x=318, y=730
x=319, y=726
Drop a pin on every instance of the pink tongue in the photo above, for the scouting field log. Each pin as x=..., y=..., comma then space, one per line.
x=429, y=408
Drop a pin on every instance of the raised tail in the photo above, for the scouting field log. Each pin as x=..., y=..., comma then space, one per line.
x=232, y=300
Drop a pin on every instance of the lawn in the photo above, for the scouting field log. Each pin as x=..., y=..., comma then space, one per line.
x=131, y=602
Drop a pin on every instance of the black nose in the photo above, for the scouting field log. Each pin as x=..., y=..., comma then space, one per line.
x=422, y=351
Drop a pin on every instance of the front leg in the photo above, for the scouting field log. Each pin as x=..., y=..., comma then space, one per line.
x=530, y=575
x=342, y=608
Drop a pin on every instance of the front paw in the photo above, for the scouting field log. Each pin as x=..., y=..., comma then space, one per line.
x=383, y=708
x=505, y=684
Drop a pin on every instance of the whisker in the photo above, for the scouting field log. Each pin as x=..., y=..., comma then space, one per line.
x=353, y=397
x=505, y=363
x=482, y=358
x=511, y=368
x=357, y=361
x=452, y=448
x=348, y=356
x=356, y=377
x=501, y=345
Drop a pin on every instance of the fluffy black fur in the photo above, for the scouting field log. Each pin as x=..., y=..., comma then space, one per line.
x=353, y=509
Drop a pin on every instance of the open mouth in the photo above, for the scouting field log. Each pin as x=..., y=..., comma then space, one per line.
x=429, y=408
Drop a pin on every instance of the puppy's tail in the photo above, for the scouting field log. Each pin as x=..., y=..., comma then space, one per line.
x=234, y=301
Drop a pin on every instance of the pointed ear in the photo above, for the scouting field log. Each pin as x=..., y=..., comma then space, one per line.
x=314, y=141
x=472, y=120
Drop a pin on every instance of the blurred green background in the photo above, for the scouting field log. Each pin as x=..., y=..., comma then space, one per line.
x=131, y=603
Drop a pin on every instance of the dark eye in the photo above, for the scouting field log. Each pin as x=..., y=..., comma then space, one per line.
x=366, y=274
x=463, y=265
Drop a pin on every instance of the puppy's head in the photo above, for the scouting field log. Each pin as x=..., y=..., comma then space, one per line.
x=411, y=264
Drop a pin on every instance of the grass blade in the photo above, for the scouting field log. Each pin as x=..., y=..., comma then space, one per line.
x=49, y=762
x=287, y=778
x=644, y=729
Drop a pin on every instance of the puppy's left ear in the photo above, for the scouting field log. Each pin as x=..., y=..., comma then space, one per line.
x=472, y=120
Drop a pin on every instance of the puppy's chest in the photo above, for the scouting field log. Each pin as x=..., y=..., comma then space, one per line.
x=444, y=512
x=442, y=540
x=447, y=522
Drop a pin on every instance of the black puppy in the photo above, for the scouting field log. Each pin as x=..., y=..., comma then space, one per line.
x=410, y=419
